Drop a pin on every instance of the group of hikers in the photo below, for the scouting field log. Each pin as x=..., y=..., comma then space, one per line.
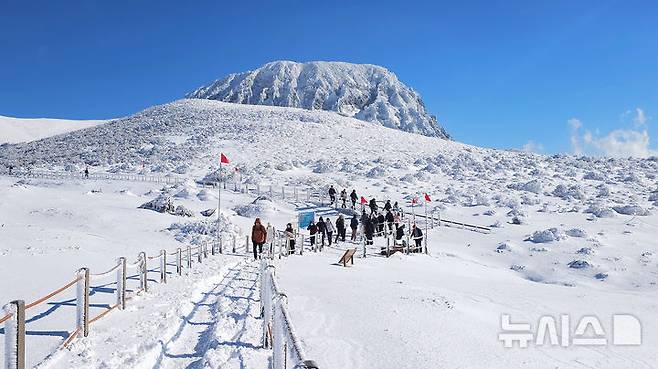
x=377, y=223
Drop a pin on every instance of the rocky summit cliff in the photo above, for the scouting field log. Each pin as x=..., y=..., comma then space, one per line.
x=363, y=91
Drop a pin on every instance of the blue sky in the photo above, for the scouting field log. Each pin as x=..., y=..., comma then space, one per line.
x=495, y=73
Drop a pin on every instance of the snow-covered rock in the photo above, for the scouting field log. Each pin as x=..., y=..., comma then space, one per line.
x=363, y=91
x=631, y=210
x=547, y=235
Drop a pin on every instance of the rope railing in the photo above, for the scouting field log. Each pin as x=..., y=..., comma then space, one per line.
x=14, y=317
x=27, y=173
x=278, y=331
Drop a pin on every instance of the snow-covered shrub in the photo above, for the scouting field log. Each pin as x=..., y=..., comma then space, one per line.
x=567, y=193
x=576, y=232
x=183, y=211
x=408, y=178
x=601, y=276
x=323, y=166
x=261, y=206
x=161, y=204
x=600, y=211
x=377, y=172
x=631, y=210
x=545, y=236
x=505, y=247
x=585, y=251
x=206, y=195
x=579, y=264
x=595, y=176
x=490, y=212
x=533, y=186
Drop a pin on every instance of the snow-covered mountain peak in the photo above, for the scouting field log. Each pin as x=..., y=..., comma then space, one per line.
x=363, y=91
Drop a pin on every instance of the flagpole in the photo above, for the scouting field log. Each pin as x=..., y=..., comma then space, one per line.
x=219, y=198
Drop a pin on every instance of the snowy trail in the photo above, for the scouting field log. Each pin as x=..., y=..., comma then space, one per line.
x=222, y=328
x=213, y=324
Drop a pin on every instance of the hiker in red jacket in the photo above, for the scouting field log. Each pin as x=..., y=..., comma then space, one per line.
x=258, y=237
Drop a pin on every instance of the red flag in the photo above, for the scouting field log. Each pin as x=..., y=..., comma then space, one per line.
x=427, y=198
x=363, y=200
x=223, y=159
x=414, y=201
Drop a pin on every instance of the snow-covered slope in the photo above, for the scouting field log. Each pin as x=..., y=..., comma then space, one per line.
x=363, y=91
x=570, y=235
x=14, y=130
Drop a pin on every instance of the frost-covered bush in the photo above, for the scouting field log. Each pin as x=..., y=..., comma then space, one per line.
x=585, y=251
x=261, y=206
x=579, y=264
x=570, y=192
x=161, y=204
x=377, y=172
x=576, y=232
x=600, y=211
x=631, y=210
x=183, y=211
x=533, y=186
x=545, y=236
x=595, y=176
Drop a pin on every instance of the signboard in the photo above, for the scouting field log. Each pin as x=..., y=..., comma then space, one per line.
x=304, y=219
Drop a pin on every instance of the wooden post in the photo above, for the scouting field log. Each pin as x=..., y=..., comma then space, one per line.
x=15, y=335
x=246, y=245
x=144, y=271
x=179, y=261
x=234, y=244
x=408, y=246
x=388, y=245
x=189, y=257
x=163, y=266
x=205, y=249
x=212, y=248
x=221, y=245
x=121, y=283
x=82, y=304
x=301, y=246
x=425, y=237
x=283, y=192
x=199, y=253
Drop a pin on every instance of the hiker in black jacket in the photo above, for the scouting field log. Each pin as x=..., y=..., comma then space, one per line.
x=322, y=229
x=368, y=230
x=332, y=194
x=389, y=220
x=417, y=234
x=373, y=206
x=340, y=228
x=354, y=225
x=312, y=230
x=387, y=206
x=381, y=221
x=353, y=198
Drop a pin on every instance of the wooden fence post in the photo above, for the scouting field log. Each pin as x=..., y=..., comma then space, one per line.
x=301, y=246
x=283, y=192
x=163, y=266
x=189, y=256
x=234, y=244
x=221, y=245
x=246, y=245
x=199, y=253
x=15, y=335
x=388, y=245
x=144, y=271
x=82, y=302
x=121, y=283
x=212, y=248
x=179, y=261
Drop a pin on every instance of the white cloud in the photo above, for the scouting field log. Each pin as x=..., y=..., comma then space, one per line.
x=532, y=146
x=640, y=119
x=576, y=147
x=618, y=143
x=623, y=143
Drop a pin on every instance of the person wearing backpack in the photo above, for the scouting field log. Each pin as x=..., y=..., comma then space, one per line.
x=312, y=231
x=330, y=230
x=340, y=227
x=354, y=225
x=258, y=237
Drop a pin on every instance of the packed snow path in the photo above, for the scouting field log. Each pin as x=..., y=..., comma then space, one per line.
x=207, y=319
x=223, y=329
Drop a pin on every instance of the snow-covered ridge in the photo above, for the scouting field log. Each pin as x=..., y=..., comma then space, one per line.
x=363, y=91
x=15, y=130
